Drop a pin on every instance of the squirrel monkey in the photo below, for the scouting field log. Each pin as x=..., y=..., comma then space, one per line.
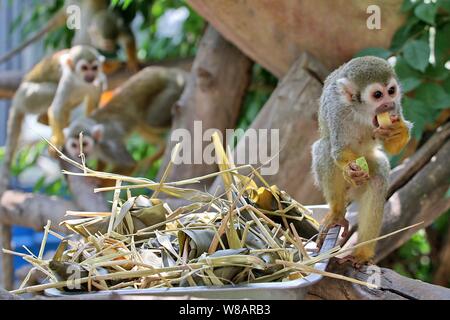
x=352, y=98
x=56, y=85
x=143, y=104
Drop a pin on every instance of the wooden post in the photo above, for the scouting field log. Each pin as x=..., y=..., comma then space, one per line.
x=219, y=79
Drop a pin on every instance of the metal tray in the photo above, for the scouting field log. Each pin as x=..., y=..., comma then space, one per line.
x=289, y=290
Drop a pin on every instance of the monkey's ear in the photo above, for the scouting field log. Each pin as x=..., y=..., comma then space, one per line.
x=66, y=60
x=98, y=131
x=347, y=89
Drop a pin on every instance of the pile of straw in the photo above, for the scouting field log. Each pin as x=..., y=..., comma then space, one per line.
x=249, y=234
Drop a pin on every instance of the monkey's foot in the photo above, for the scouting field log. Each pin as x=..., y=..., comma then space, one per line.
x=356, y=261
x=341, y=222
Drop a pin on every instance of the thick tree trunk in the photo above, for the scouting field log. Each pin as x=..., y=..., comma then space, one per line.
x=213, y=96
x=291, y=112
x=275, y=33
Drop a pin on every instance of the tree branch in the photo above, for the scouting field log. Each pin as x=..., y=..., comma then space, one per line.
x=392, y=286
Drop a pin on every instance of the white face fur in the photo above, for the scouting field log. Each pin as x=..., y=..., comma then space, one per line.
x=376, y=98
x=376, y=95
x=73, y=146
x=87, y=71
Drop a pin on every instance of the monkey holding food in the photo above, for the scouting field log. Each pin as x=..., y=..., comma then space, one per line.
x=56, y=85
x=355, y=102
x=143, y=104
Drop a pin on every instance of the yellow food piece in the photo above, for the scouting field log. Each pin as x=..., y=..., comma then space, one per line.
x=362, y=163
x=384, y=119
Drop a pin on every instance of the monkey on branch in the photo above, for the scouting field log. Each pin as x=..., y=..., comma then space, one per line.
x=55, y=86
x=101, y=26
x=142, y=104
x=360, y=115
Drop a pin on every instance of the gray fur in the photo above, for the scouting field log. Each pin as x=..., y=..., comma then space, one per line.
x=344, y=126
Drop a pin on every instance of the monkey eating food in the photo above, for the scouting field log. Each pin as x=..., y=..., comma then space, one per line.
x=352, y=97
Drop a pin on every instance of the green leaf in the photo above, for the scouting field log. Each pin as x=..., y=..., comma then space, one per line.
x=416, y=112
x=442, y=44
x=412, y=26
x=417, y=53
x=437, y=72
x=446, y=85
x=408, y=5
x=433, y=96
x=409, y=84
x=378, y=52
x=426, y=12
x=404, y=71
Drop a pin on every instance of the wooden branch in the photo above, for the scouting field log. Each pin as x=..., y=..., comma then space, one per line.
x=292, y=112
x=9, y=82
x=392, y=286
x=33, y=210
x=275, y=33
x=5, y=295
x=212, y=98
x=401, y=174
x=421, y=199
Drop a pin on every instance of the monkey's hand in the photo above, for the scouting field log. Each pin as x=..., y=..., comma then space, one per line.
x=355, y=174
x=394, y=137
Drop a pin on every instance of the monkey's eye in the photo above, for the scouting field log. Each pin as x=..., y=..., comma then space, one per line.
x=377, y=94
x=391, y=90
x=73, y=145
x=84, y=67
x=94, y=68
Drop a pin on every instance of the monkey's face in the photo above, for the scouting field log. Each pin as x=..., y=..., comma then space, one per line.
x=74, y=147
x=87, y=70
x=96, y=144
x=87, y=143
x=381, y=97
x=373, y=99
